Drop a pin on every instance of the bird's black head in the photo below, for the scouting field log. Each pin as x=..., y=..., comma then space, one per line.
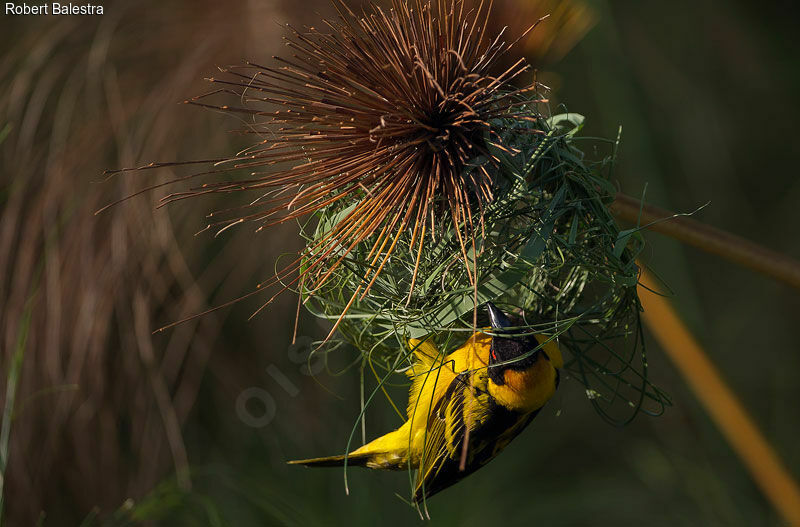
x=506, y=351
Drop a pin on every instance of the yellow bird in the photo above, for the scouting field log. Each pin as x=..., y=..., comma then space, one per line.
x=485, y=393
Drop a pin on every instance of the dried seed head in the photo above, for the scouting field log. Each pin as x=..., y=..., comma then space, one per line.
x=396, y=114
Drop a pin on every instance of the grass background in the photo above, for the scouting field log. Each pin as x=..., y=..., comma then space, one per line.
x=103, y=412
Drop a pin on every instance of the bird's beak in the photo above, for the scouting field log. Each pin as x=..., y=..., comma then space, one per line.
x=498, y=319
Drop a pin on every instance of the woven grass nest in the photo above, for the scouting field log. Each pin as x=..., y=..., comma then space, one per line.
x=426, y=182
x=549, y=252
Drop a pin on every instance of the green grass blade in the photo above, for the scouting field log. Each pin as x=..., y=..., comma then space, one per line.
x=12, y=381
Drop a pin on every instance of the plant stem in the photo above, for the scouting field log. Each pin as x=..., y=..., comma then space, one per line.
x=710, y=239
x=12, y=380
x=720, y=402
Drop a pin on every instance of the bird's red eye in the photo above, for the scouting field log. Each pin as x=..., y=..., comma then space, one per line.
x=493, y=354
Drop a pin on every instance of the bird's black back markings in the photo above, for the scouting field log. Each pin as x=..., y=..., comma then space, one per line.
x=461, y=380
x=498, y=430
x=485, y=442
x=502, y=426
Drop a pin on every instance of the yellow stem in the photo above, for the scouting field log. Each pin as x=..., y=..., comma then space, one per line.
x=720, y=402
x=710, y=239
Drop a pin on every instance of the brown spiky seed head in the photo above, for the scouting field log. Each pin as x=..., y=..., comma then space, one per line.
x=395, y=113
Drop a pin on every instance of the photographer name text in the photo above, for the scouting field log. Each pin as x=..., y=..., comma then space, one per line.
x=53, y=9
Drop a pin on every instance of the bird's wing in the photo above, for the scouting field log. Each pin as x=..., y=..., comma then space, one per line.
x=460, y=407
x=445, y=427
x=491, y=427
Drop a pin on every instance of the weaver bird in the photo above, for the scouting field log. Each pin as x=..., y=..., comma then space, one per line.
x=484, y=393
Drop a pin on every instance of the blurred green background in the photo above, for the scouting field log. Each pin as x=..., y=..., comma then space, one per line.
x=105, y=413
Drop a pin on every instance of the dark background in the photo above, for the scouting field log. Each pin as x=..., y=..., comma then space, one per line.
x=706, y=94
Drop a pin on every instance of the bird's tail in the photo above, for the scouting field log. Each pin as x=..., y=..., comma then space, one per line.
x=387, y=452
x=353, y=460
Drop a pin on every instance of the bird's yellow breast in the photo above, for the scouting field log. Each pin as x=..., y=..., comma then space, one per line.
x=527, y=390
